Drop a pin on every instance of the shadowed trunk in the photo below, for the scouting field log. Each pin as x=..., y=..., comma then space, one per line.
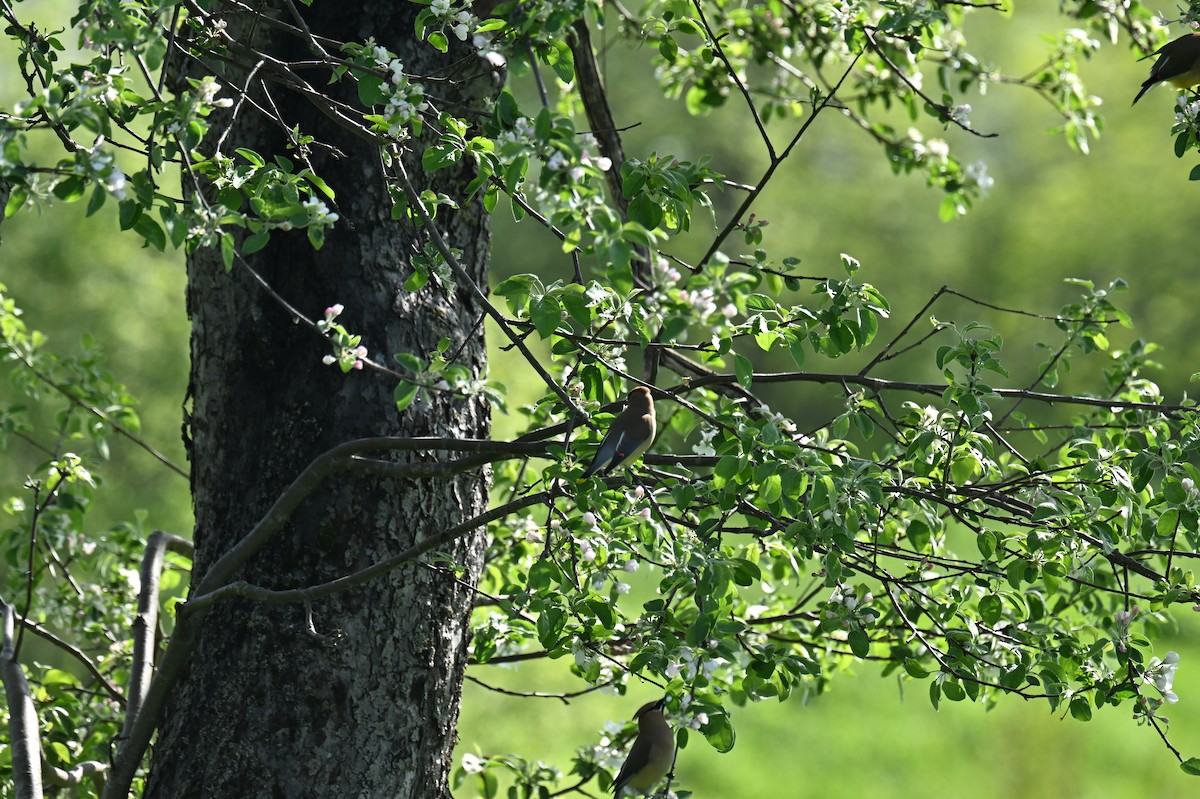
x=367, y=706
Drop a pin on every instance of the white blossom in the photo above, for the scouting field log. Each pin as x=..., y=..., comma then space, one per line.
x=977, y=173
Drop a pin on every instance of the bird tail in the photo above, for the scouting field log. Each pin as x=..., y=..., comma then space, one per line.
x=1145, y=88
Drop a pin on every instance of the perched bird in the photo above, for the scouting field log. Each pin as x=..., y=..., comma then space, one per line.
x=652, y=753
x=1178, y=64
x=630, y=434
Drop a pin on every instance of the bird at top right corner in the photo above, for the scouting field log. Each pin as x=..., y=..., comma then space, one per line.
x=1178, y=64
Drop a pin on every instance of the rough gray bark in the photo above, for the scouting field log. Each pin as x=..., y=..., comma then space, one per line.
x=368, y=707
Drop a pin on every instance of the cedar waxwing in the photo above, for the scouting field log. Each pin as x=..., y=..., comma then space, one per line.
x=630, y=434
x=652, y=753
x=1178, y=64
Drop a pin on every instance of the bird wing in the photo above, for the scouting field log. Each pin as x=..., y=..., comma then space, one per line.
x=1176, y=58
x=1169, y=66
x=610, y=445
x=639, y=755
x=637, y=438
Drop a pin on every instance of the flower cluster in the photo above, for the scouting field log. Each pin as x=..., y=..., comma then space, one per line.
x=102, y=164
x=1121, y=621
x=690, y=662
x=976, y=174
x=1161, y=674
x=206, y=230
x=577, y=166
x=348, y=353
x=1187, y=113
x=459, y=21
x=847, y=610
x=404, y=102
x=319, y=214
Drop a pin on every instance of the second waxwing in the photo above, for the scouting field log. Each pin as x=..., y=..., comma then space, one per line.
x=652, y=753
x=630, y=434
x=1178, y=64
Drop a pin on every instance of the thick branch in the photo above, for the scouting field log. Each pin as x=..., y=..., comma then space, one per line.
x=145, y=625
x=69, y=778
x=310, y=593
x=22, y=717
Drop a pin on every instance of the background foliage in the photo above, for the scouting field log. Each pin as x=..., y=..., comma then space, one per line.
x=1052, y=213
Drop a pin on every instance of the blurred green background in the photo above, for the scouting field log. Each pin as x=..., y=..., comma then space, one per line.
x=1126, y=210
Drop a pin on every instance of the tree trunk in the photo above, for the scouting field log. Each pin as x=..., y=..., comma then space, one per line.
x=368, y=706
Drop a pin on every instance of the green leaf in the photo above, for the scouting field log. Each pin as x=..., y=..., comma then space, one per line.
x=745, y=572
x=228, y=251
x=1168, y=523
x=953, y=691
x=59, y=677
x=1191, y=766
x=850, y=264
x=439, y=41
x=417, y=280
x=1081, y=709
x=771, y=489
x=127, y=212
x=668, y=49
x=320, y=184
x=316, y=237
x=915, y=669
x=438, y=157
x=543, y=125
x=719, y=732
x=796, y=349
x=256, y=242
x=175, y=225
x=517, y=290
x=61, y=751
x=546, y=313
x=550, y=625
x=860, y=642
x=514, y=173
x=760, y=302
x=743, y=369
x=563, y=62
x=150, y=230
x=919, y=535
x=645, y=212
x=990, y=608
x=15, y=201
x=70, y=189
x=254, y=158
x=404, y=394
x=97, y=201
x=543, y=574
x=410, y=362
x=1015, y=572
